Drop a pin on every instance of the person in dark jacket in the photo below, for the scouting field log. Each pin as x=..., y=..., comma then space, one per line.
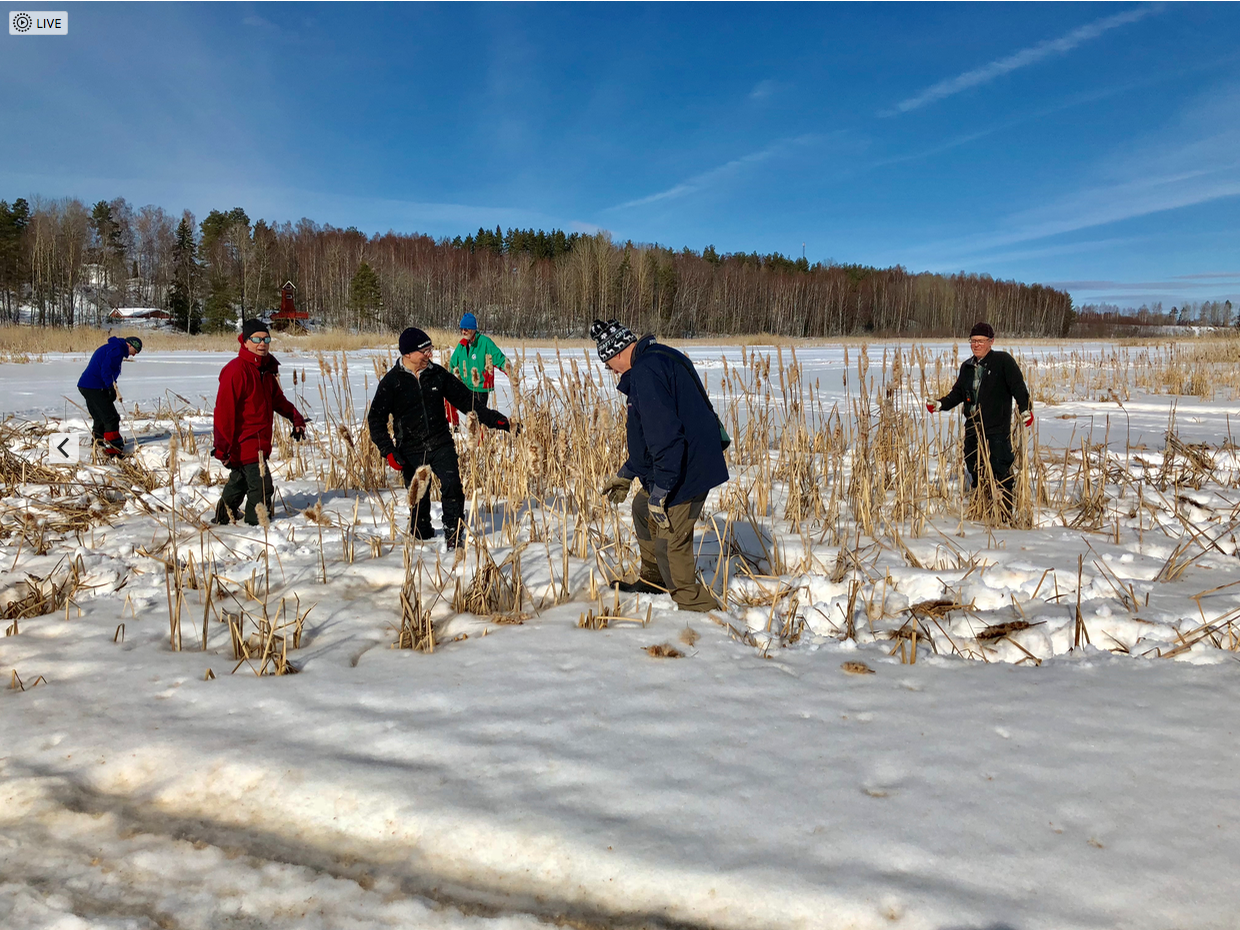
x=675, y=451
x=248, y=399
x=988, y=383
x=412, y=393
x=98, y=386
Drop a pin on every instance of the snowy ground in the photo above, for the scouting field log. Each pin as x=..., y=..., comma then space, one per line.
x=536, y=774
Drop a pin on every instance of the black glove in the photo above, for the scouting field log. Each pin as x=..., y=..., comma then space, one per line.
x=298, y=433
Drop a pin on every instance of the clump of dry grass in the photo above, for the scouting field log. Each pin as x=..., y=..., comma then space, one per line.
x=663, y=651
x=856, y=668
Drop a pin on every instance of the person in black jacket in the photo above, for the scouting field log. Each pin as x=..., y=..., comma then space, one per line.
x=988, y=383
x=413, y=394
x=675, y=450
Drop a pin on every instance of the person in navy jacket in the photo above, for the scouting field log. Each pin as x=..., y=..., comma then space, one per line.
x=675, y=451
x=98, y=386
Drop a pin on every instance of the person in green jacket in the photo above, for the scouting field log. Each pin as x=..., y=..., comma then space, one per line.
x=474, y=361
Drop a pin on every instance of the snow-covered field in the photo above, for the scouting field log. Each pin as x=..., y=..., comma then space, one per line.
x=1061, y=754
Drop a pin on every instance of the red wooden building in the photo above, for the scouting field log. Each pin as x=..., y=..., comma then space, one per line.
x=288, y=318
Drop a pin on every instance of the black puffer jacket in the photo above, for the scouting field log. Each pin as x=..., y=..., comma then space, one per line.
x=415, y=404
x=1001, y=384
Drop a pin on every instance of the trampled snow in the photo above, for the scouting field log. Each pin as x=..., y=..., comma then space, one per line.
x=524, y=774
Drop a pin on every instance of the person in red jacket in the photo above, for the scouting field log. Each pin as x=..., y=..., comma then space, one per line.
x=249, y=398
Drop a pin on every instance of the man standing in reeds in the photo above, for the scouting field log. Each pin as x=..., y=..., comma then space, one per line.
x=98, y=387
x=412, y=394
x=989, y=381
x=675, y=451
x=245, y=408
x=475, y=360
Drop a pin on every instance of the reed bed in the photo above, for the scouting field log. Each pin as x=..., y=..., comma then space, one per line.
x=838, y=490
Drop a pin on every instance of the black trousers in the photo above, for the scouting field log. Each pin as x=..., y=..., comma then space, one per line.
x=101, y=404
x=447, y=468
x=246, y=482
x=999, y=451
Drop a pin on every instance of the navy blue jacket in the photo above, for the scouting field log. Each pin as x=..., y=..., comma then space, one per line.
x=674, y=445
x=105, y=365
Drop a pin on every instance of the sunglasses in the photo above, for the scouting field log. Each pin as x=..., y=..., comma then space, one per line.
x=260, y=339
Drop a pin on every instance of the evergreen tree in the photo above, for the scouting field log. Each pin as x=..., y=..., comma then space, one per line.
x=107, y=248
x=13, y=222
x=220, y=248
x=365, y=299
x=182, y=294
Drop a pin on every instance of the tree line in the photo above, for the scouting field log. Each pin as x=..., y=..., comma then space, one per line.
x=68, y=264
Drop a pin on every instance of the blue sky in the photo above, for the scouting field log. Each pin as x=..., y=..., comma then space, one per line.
x=1092, y=146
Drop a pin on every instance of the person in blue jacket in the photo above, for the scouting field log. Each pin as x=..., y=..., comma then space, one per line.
x=98, y=386
x=675, y=451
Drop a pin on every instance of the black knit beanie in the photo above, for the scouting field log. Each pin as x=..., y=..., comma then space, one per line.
x=982, y=329
x=413, y=339
x=613, y=337
x=250, y=327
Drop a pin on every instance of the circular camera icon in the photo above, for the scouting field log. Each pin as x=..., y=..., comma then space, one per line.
x=22, y=22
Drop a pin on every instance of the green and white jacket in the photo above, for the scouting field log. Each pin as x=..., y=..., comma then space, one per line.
x=475, y=364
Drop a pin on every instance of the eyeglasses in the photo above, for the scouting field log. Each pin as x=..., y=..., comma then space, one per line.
x=978, y=342
x=260, y=339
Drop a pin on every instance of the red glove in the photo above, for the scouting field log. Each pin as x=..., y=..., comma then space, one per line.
x=1029, y=417
x=933, y=406
x=394, y=462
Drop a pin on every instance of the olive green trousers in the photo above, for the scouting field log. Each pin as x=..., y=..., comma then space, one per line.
x=667, y=554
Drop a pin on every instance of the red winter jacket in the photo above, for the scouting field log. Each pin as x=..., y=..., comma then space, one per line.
x=249, y=395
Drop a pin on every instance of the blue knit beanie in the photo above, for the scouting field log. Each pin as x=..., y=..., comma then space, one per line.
x=469, y=321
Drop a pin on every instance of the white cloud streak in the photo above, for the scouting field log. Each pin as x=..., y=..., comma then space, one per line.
x=1022, y=59
x=1193, y=160
x=715, y=175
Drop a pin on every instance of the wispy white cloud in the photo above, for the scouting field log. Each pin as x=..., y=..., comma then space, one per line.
x=1021, y=59
x=1194, y=160
x=763, y=89
x=717, y=175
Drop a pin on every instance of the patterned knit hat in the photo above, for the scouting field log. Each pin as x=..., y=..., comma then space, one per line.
x=613, y=337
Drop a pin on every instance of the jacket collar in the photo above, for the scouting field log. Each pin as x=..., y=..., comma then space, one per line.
x=270, y=363
x=644, y=343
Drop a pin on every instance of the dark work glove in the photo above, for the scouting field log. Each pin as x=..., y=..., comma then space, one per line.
x=658, y=516
x=395, y=461
x=298, y=433
x=616, y=488
x=503, y=424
